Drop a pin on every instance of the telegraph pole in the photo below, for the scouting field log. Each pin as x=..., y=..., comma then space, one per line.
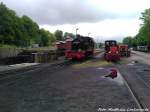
x=76, y=31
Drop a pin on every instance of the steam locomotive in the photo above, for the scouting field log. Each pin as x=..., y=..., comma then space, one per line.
x=81, y=48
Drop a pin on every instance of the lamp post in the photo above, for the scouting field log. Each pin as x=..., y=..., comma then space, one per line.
x=89, y=34
x=76, y=31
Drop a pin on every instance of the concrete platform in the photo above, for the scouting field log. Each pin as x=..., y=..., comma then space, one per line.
x=15, y=66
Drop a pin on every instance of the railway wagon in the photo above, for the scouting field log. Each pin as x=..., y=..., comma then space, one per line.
x=62, y=46
x=124, y=50
x=111, y=51
x=143, y=48
x=82, y=47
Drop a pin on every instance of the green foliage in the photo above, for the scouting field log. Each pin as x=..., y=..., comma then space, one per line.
x=134, y=42
x=100, y=45
x=46, y=38
x=8, y=22
x=128, y=40
x=71, y=35
x=21, y=31
x=146, y=17
x=59, y=35
x=7, y=46
x=143, y=36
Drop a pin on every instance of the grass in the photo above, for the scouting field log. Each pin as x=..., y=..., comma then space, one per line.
x=120, y=62
x=7, y=46
x=92, y=64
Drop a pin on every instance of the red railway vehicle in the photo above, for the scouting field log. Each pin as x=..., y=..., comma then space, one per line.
x=111, y=51
x=64, y=45
x=60, y=45
x=124, y=50
x=68, y=44
x=81, y=48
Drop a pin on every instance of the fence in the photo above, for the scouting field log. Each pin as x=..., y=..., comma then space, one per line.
x=15, y=56
x=45, y=57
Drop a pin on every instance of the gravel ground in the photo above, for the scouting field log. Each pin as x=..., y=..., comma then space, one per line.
x=143, y=58
x=15, y=66
x=80, y=87
x=137, y=73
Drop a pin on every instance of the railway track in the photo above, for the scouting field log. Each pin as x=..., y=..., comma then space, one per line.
x=144, y=82
x=21, y=71
x=133, y=94
x=13, y=75
x=138, y=88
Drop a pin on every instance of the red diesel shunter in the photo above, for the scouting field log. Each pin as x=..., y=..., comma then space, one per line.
x=111, y=51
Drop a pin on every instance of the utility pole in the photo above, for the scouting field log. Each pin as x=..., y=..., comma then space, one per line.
x=76, y=31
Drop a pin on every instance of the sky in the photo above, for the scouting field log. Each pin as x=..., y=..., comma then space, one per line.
x=102, y=19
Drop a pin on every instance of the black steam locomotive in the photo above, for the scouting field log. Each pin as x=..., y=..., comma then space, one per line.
x=81, y=48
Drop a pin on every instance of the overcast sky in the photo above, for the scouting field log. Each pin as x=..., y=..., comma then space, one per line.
x=104, y=19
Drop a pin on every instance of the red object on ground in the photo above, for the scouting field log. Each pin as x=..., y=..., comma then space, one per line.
x=112, y=74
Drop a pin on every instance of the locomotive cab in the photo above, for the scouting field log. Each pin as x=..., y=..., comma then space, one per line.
x=109, y=44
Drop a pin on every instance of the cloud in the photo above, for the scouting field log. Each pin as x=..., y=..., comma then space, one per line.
x=56, y=12
x=104, y=19
x=102, y=30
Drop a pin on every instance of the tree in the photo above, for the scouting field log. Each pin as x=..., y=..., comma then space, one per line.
x=46, y=38
x=71, y=35
x=143, y=36
x=144, y=33
x=145, y=16
x=30, y=30
x=22, y=31
x=134, y=41
x=128, y=40
x=59, y=35
x=8, y=24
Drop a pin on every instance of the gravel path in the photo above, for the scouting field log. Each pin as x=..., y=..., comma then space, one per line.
x=80, y=87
